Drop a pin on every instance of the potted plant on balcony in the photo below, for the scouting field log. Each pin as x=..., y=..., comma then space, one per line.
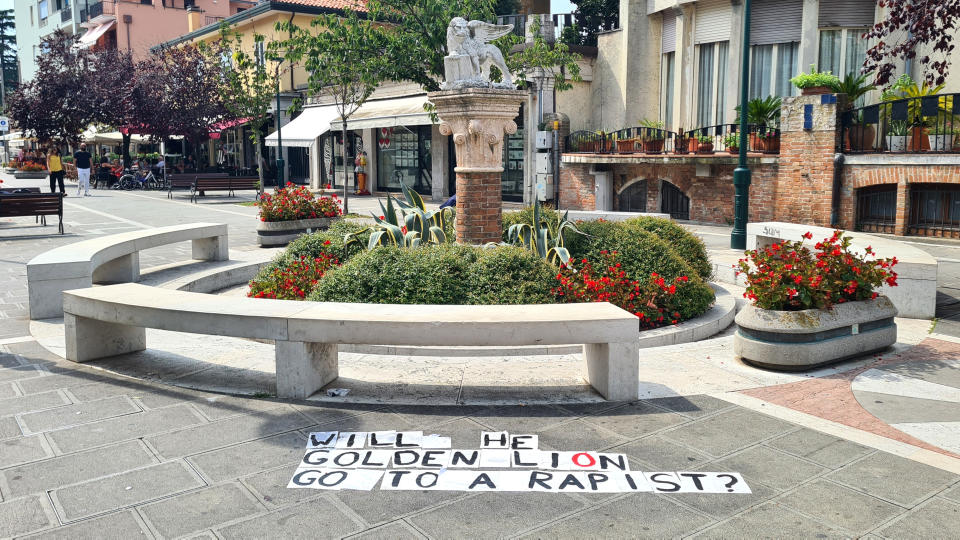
x=815, y=82
x=905, y=88
x=624, y=143
x=813, y=307
x=897, y=136
x=731, y=141
x=704, y=144
x=653, y=136
x=762, y=114
x=291, y=211
x=682, y=142
x=941, y=137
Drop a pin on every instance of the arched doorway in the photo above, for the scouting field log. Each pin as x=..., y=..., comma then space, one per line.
x=674, y=202
x=633, y=198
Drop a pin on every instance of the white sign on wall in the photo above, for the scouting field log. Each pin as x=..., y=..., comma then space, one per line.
x=4, y=124
x=410, y=460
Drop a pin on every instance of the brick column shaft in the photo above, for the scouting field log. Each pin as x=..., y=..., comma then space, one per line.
x=478, y=207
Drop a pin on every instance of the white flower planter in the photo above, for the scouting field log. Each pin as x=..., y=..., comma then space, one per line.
x=799, y=340
x=941, y=143
x=281, y=233
x=897, y=143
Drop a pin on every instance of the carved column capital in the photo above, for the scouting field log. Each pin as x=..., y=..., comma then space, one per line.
x=478, y=119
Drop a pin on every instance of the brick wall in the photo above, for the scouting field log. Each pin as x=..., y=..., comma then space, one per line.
x=577, y=187
x=478, y=221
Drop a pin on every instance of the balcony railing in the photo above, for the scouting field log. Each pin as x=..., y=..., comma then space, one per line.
x=926, y=124
x=66, y=14
x=708, y=140
x=105, y=7
x=211, y=20
x=519, y=22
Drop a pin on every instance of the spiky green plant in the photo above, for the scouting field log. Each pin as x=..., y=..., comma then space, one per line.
x=543, y=237
x=412, y=226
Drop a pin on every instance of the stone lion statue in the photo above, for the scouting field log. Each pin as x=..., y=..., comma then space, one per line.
x=470, y=53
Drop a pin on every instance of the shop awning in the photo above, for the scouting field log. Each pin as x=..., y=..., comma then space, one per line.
x=303, y=130
x=94, y=34
x=401, y=111
x=91, y=135
x=215, y=129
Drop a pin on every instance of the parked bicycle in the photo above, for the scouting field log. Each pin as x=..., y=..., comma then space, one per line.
x=131, y=180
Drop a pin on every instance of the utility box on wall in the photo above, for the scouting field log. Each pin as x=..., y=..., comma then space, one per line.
x=544, y=140
x=544, y=187
x=544, y=163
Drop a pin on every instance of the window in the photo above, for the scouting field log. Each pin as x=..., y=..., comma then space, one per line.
x=666, y=89
x=772, y=67
x=404, y=155
x=31, y=18
x=711, y=83
x=43, y=9
x=842, y=51
x=260, y=52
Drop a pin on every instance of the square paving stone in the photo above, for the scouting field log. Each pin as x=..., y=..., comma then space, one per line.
x=724, y=505
x=117, y=525
x=427, y=417
x=9, y=428
x=8, y=390
x=692, y=406
x=894, y=478
x=225, y=432
x=494, y=515
x=776, y=469
x=953, y=494
x=578, y=435
x=821, y=448
x=200, y=510
x=22, y=516
x=637, y=515
x=36, y=402
x=124, y=489
x=839, y=506
x=728, y=431
x=81, y=413
x=325, y=414
x=23, y=450
x=251, y=457
x=271, y=487
x=67, y=379
x=656, y=453
x=771, y=521
x=17, y=373
x=61, y=471
x=463, y=432
x=635, y=419
x=124, y=427
x=397, y=530
x=313, y=519
x=381, y=506
x=220, y=407
x=938, y=518
x=525, y=419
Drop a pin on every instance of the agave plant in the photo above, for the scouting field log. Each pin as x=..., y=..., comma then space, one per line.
x=542, y=237
x=410, y=226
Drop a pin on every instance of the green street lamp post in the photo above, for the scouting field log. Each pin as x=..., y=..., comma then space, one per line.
x=741, y=175
x=280, y=163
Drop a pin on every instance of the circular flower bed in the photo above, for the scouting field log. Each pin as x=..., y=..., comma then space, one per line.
x=650, y=267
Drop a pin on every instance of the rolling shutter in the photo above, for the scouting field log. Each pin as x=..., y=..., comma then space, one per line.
x=847, y=13
x=712, y=21
x=776, y=21
x=668, y=42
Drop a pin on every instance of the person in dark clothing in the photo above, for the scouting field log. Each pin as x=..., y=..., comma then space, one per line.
x=82, y=158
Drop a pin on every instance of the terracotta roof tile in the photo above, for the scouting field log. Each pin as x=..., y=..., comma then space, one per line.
x=356, y=5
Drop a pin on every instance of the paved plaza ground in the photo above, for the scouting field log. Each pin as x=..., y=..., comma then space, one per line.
x=870, y=450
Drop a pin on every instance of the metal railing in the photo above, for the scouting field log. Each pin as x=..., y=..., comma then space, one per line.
x=877, y=209
x=519, y=22
x=707, y=140
x=66, y=14
x=912, y=125
x=934, y=210
x=207, y=20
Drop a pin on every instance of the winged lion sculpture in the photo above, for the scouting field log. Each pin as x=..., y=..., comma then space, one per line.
x=470, y=53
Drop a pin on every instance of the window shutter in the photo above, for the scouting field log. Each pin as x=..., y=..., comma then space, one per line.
x=712, y=21
x=668, y=43
x=775, y=21
x=847, y=13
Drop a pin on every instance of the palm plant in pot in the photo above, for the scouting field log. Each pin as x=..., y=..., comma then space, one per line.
x=905, y=88
x=860, y=135
x=763, y=114
x=814, y=306
x=653, y=136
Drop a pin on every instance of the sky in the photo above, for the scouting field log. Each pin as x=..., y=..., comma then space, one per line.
x=8, y=4
x=556, y=6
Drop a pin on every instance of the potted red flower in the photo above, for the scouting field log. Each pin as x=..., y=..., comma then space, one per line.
x=292, y=211
x=814, y=307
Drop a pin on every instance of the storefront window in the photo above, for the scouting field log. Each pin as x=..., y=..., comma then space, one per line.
x=331, y=158
x=404, y=155
x=511, y=185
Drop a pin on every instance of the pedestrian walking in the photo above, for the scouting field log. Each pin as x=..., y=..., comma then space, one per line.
x=82, y=159
x=55, y=166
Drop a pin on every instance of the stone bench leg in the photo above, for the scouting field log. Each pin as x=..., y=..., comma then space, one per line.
x=613, y=369
x=123, y=269
x=89, y=339
x=303, y=368
x=215, y=248
x=46, y=297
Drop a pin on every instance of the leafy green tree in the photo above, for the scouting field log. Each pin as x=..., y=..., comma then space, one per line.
x=8, y=52
x=592, y=17
x=541, y=60
x=249, y=87
x=345, y=59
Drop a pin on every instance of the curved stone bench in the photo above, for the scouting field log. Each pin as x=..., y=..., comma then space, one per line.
x=915, y=296
x=113, y=258
x=111, y=320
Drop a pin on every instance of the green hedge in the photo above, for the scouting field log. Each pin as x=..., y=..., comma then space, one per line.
x=641, y=253
x=444, y=274
x=686, y=244
x=525, y=216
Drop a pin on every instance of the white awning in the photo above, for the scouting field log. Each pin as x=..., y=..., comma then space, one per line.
x=91, y=135
x=94, y=34
x=304, y=129
x=402, y=111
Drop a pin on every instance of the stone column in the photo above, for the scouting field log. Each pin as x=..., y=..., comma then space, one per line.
x=478, y=119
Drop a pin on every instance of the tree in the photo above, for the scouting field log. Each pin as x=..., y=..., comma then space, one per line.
x=8, y=52
x=120, y=99
x=247, y=90
x=592, y=17
x=345, y=59
x=52, y=107
x=908, y=25
x=544, y=60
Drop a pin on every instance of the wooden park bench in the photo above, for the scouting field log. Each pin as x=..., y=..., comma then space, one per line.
x=186, y=180
x=229, y=184
x=39, y=205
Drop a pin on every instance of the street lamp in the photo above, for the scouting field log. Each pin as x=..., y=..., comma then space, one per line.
x=280, y=162
x=741, y=175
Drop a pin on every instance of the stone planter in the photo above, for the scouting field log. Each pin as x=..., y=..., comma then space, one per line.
x=800, y=340
x=281, y=233
x=30, y=175
x=626, y=145
x=816, y=90
x=654, y=146
x=941, y=143
x=897, y=143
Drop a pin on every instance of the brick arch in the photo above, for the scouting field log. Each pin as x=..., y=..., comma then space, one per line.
x=671, y=193
x=623, y=187
x=859, y=176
